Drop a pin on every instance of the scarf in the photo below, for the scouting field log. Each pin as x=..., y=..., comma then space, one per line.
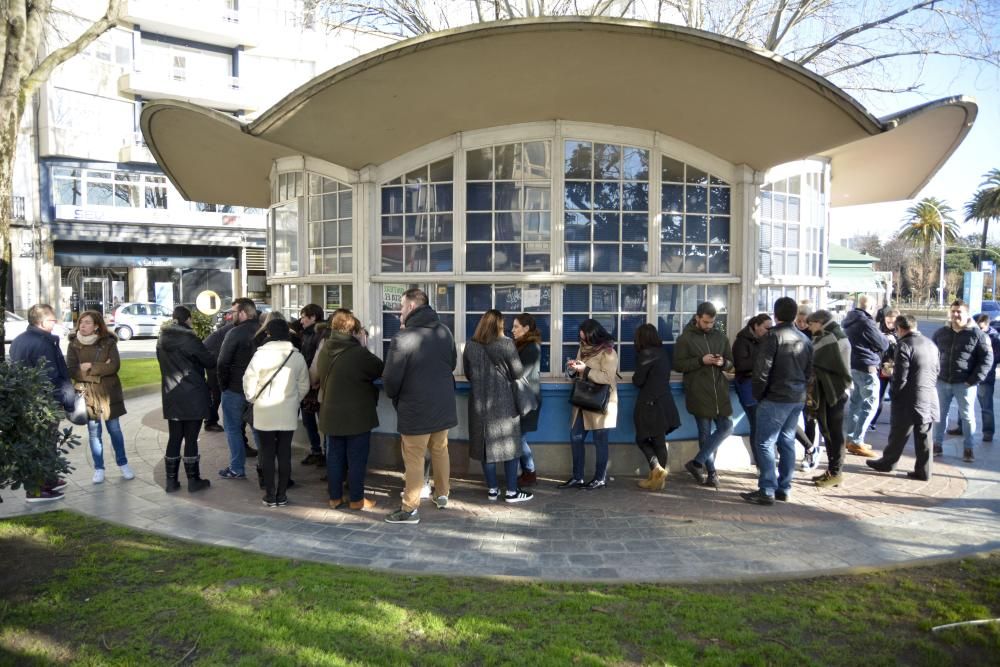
x=87, y=340
x=587, y=350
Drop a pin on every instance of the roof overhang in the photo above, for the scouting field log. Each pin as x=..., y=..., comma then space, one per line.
x=741, y=104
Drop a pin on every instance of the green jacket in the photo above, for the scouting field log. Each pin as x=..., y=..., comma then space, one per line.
x=833, y=375
x=706, y=388
x=346, y=372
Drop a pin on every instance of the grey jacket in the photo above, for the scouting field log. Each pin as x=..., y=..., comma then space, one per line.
x=494, y=425
x=783, y=366
x=914, y=381
x=418, y=374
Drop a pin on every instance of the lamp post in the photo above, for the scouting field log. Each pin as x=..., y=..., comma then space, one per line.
x=941, y=270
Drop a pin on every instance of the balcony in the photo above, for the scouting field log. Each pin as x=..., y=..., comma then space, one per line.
x=205, y=21
x=135, y=151
x=221, y=93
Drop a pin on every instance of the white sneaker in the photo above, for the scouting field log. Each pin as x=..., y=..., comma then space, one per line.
x=127, y=472
x=98, y=477
x=425, y=492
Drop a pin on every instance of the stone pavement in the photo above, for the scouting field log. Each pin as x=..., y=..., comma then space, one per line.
x=685, y=533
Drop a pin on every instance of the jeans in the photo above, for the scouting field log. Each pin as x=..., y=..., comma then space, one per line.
x=709, y=440
x=744, y=393
x=985, y=395
x=965, y=396
x=312, y=431
x=776, y=423
x=276, y=444
x=233, y=404
x=509, y=471
x=347, y=453
x=577, y=436
x=862, y=406
x=97, y=447
x=215, y=396
x=527, y=460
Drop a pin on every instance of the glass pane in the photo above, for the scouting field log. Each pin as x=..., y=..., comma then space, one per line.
x=673, y=198
x=477, y=299
x=718, y=259
x=330, y=261
x=479, y=226
x=669, y=298
x=479, y=196
x=695, y=175
x=100, y=194
x=392, y=228
x=578, y=257
x=345, y=233
x=441, y=259
x=508, y=196
x=792, y=264
x=629, y=324
x=316, y=261
x=507, y=257
x=607, y=196
x=416, y=228
x=634, y=298
x=316, y=234
x=671, y=258
x=442, y=170
x=719, y=296
x=346, y=260
x=578, y=196
x=635, y=227
x=479, y=257
x=604, y=298
x=720, y=200
x=392, y=258
x=536, y=257
x=576, y=299
x=536, y=158
x=672, y=228
x=696, y=228
x=315, y=208
x=777, y=263
x=507, y=160
x=507, y=227
x=578, y=226
x=794, y=209
x=696, y=199
x=537, y=198
x=606, y=226
x=417, y=175
x=795, y=185
x=441, y=228
x=392, y=200
x=778, y=236
x=329, y=206
x=718, y=230
x=537, y=226
x=673, y=170
x=606, y=257
x=635, y=166
x=441, y=198
x=479, y=164
x=416, y=198
x=692, y=296
x=695, y=257
x=607, y=161
x=329, y=234
x=792, y=236
x=416, y=258
x=578, y=162
x=634, y=257
x=766, y=205
x=635, y=197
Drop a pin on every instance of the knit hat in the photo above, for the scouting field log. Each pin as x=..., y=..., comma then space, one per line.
x=277, y=329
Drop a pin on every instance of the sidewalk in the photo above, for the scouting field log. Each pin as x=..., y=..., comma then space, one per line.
x=685, y=533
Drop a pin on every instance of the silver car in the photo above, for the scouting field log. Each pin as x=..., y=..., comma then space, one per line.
x=137, y=319
x=14, y=326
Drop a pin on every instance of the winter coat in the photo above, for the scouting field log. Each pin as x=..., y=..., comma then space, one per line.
x=277, y=406
x=309, y=342
x=914, y=381
x=655, y=413
x=994, y=337
x=419, y=374
x=494, y=425
x=531, y=362
x=36, y=346
x=964, y=356
x=183, y=359
x=831, y=368
x=602, y=368
x=890, y=352
x=234, y=356
x=867, y=342
x=706, y=388
x=101, y=386
x=346, y=371
x=784, y=366
x=744, y=352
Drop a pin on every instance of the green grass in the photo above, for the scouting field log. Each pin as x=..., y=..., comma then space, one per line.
x=74, y=590
x=139, y=372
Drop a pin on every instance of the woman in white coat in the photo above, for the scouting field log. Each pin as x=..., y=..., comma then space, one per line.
x=279, y=374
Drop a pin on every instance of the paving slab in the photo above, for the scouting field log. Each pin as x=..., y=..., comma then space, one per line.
x=684, y=533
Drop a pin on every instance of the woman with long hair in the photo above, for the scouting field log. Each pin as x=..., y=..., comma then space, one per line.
x=655, y=412
x=492, y=366
x=93, y=363
x=596, y=361
x=528, y=340
x=744, y=355
x=183, y=359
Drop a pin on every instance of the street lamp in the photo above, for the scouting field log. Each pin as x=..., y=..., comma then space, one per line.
x=941, y=270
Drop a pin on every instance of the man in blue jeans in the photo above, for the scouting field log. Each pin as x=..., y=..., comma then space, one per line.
x=780, y=375
x=234, y=357
x=868, y=344
x=702, y=353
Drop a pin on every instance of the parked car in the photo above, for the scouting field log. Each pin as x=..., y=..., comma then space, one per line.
x=14, y=326
x=137, y=319
x=991, y=308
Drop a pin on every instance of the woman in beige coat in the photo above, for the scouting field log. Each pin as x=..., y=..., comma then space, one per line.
x=597, y=361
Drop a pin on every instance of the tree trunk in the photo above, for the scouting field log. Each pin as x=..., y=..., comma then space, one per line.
x=11, y=115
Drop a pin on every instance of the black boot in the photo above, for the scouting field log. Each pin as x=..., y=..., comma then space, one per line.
x=195, y=482
x=260, y=477
x=173, y=466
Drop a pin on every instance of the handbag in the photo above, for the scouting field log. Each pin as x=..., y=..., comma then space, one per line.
x=524, y=398
x=78, y=414
x=248, y=410
x=589, y=395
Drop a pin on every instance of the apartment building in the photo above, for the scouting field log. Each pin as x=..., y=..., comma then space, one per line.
x=100, y=223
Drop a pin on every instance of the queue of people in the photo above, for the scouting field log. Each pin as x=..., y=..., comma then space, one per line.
x=787, y=370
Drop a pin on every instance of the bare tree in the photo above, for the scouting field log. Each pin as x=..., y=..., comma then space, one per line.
x=23, y=41
x=859, y=45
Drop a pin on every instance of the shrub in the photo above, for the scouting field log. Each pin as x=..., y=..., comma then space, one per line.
x=31, y=446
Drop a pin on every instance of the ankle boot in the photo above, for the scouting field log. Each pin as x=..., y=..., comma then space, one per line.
x=658, y=478
x=646, y=483
x=173, y=466
x=195, y=482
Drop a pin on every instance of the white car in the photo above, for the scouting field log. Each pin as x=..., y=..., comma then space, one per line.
x=137, y=319
x=14, y=326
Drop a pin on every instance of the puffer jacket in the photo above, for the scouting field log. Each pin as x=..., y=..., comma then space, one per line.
x=706, y=388
x=783, y=367
x=101, y=386
x=36, y=346
x=183, y=359
x=277, y=406
x=964, y=356
x=994, y=337
x=868, y=344
x=419, y=374
x=744, y=352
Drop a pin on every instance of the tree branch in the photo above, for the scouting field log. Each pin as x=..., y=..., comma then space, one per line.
x=901, y=54
x=44, y=69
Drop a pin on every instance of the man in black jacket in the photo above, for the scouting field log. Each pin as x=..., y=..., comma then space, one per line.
x=780, y=375
x=234, y=357
x=214, y=345
x=965, y=357
x=914, y=399
x=419, y=379
x=868, y=344
x=308, y=317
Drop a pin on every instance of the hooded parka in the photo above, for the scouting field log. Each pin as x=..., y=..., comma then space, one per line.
x=183, y=359
x=706, y=388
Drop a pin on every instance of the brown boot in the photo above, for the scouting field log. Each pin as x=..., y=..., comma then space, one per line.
x=363, y=504
x=648, y=482
x=659, y=479
x=336, y=503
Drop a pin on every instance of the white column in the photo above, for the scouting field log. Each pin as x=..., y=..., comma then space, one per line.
x=138, y=284
x=745, y=231
x=367, y=296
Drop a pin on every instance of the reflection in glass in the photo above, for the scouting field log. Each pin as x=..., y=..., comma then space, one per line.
x=578, y=226
x=635, y=197
x=578, y=196
x=440, y=257
x=578, y=159
x=605, y=257
x=696, y=199
x=635, y=227
x=507, y=161
x=636, y=164
x=606, y=226
x=607, y=161
x=441, y=227
x=536, y=158
x=392, y=200
x=634, y=257
x=479, y=196
x=507, y=257
x=673, y=198
x=392, y=228
x=607, y=196
x=720, y=200
x=479, y=257
x=416, y=258
x=507, y=227
x=479, y=226
x=718, y=230
x=696, y=229
x=508, y=196
x=718, y=261
x=479, y=164
x=671, y=258
x=695, y=175
x=392, y=258
x=537, y=226
x=673, y=170
x=442, y=170
x=578, y=257
x=695, y=257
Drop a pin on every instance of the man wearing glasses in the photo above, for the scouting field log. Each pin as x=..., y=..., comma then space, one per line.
x=38, y=345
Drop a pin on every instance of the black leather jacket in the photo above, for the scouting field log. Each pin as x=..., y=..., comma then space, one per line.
x=234, y=357
x=783, y=366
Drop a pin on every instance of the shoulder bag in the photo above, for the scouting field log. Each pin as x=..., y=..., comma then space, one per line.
x=589, y=395
x=248, y=410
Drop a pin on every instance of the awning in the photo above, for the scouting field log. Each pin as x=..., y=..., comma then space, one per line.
x=853, y=280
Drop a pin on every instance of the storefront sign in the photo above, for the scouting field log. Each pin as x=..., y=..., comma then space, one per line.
x=333, y=300
x=392, y=297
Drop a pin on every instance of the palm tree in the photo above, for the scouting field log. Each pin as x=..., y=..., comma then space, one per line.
x=924, y=223
x=985, y=205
